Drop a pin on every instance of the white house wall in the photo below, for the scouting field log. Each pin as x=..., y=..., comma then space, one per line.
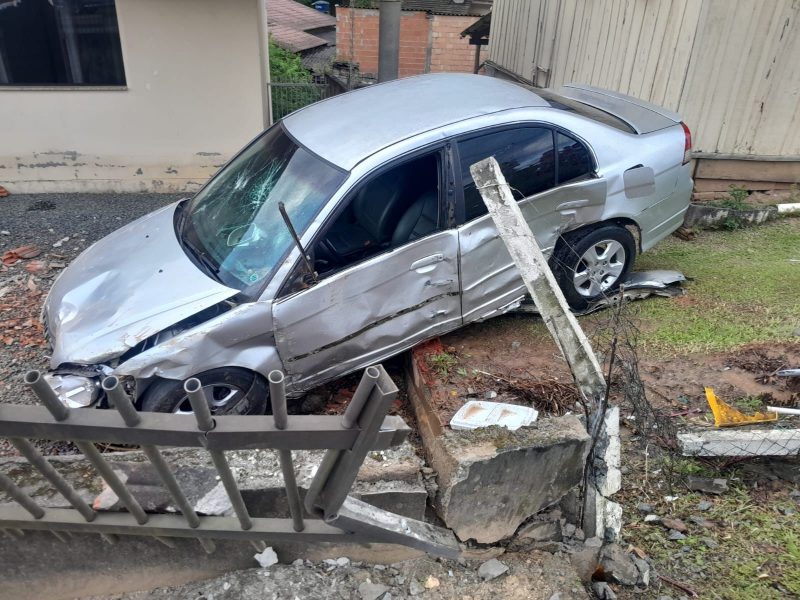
x=193, y=97
x=731, y=68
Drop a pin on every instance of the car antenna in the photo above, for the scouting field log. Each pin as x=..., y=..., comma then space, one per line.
x=290, y=227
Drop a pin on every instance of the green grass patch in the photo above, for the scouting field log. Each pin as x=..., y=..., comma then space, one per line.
x=743, y=289
x=442, y=362
x=753, y=552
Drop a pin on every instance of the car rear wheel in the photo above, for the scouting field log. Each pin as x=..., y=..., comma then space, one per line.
x=592, y=263
x=229, y=391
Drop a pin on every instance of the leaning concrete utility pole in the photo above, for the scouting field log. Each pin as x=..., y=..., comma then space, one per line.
x=389, y=40
x=603, y=475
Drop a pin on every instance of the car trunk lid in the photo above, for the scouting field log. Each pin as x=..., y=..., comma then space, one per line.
x=642, y=116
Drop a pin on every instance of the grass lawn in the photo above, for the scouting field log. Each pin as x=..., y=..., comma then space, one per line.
x=745, y=288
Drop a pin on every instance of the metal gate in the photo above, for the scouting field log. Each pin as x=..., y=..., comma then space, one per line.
x=326, y=514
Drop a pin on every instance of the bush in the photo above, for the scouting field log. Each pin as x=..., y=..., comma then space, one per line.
x=286, y=67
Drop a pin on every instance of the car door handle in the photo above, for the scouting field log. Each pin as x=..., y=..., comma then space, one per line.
x=572, y=204
x=423, y=265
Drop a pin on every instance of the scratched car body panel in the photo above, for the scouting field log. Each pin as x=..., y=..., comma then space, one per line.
x=351, y=231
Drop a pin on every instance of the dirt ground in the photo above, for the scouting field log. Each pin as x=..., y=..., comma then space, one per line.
x=513, y=357
x=740, y=544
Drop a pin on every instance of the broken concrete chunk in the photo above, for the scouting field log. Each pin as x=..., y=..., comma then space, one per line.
x=541, y=531
x=707, y=485
x=652, y=519
x=644, y=572
x=415, y=588
x=705, y=505
x=618, y=565
x=675, y=535
x=492, y=569
x=702, y=522
x=644, y=508
x=491, y=480
x=371, y=591
x=742, y=442
x=431, y=582
x=585, y=560
x=603, y=591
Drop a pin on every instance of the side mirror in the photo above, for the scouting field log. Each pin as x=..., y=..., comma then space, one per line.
x=640, y=182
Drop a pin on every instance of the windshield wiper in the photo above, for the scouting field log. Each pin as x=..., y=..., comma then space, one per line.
x=205, y=260
x=298, y=243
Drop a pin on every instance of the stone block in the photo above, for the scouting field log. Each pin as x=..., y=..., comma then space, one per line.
x=491, y=479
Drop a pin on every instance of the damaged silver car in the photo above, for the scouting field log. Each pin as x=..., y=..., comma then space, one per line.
x=352, y=230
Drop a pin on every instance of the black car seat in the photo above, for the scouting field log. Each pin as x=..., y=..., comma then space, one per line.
x=421, y=218
x=376, y=210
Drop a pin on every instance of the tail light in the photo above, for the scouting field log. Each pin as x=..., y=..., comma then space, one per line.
x=687, y=144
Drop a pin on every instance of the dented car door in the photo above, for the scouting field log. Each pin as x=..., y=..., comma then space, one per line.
x=551, y=173
x=369, y=311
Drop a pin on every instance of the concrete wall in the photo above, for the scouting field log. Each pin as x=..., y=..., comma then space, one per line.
x=193, y=97
x=428, y=43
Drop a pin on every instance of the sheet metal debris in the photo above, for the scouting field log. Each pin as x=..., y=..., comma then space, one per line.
x=637, y=286
x=727, y=416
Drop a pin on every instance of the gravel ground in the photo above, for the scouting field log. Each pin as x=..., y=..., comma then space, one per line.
x=60, y=226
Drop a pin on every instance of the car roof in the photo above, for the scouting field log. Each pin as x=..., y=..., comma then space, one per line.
x=348, y=128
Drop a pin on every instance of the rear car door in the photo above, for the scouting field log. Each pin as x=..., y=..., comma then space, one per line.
x=551, y=173
x=380, y=305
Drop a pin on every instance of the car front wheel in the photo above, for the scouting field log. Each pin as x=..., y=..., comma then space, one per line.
x=593, y=263
x=228, y=391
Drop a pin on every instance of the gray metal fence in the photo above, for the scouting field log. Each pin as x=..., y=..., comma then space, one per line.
x=288, y=96
x=326, y=514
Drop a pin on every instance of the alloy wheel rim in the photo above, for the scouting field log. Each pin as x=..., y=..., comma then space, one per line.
x=219, y=396
x=599, y=268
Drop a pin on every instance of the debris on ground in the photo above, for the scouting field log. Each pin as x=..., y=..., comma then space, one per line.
x=492, y=569
x=617, y=566
x=726, y=415
x=706, y=484
x=11, y=257
x=266, y=558
x=4, y=192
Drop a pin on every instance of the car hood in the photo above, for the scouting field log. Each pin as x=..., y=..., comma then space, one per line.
x=123, y=289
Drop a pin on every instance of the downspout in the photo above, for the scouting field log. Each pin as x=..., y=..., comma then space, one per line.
x=389, y=40
x=263, y=52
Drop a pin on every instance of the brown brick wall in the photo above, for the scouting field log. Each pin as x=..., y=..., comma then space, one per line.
x=357, y=41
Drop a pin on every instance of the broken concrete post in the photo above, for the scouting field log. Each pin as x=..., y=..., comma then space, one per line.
x=565, y=330
x=538, y=278
x=741, y=442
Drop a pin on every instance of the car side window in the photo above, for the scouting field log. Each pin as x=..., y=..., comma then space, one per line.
x=525, y=155
x=574, y=161
x=387, y=211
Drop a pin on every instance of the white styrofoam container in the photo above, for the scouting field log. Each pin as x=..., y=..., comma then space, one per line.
x=480, y=413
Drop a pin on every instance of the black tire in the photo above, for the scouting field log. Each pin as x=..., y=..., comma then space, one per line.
x=250, y=393
x=601, y=279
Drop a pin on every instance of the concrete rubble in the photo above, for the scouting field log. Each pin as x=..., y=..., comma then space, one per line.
x=491, y=480
x=526, y=577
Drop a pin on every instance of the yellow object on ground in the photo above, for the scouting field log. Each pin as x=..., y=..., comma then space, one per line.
x=727, y=416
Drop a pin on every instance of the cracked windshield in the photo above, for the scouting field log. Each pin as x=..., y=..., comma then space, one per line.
x=233, y=226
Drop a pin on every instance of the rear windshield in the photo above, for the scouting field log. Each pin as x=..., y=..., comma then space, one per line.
x=561, y=103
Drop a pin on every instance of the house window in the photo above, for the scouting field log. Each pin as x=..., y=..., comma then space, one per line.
x=60, y=42
x=525, y=156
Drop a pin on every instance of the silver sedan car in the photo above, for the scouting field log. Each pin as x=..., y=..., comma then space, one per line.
x=352, y=230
